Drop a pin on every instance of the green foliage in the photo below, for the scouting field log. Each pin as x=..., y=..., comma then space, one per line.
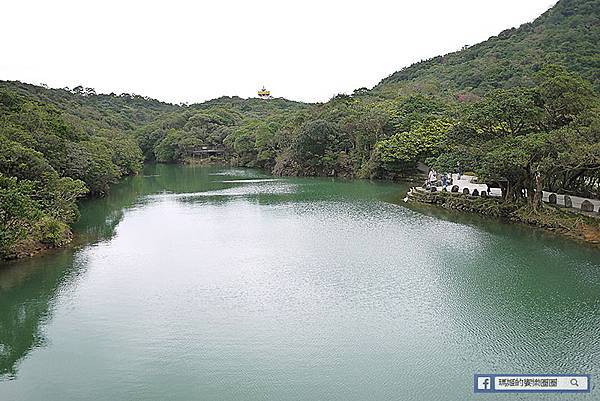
x=59, y=199
x=566, y=35
x=545, y=137
x=416, y=109
x=91, y=162
x=18, y=212
x=564, y=95
x=126, y=154
x=55, y=148
x=52, y=231
x=576, y=167
x=175, y=138
x=504, y=112
x=317, y=146
x=402, y=151
x=169, y=149
x=24, y=163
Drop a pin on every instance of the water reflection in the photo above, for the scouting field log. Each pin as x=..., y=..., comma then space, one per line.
x=28, y=287
x=27, y=293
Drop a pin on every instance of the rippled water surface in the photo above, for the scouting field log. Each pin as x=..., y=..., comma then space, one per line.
x=195, y=283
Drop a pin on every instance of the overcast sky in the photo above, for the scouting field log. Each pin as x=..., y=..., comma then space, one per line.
x=190, y=51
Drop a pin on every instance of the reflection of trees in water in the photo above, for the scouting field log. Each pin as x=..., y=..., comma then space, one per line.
x=270, y=191
x=100, y=217
x=28, y=287
x=27, y=291
x=214, y=185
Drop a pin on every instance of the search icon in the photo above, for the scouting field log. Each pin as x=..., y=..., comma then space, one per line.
x=574, y=382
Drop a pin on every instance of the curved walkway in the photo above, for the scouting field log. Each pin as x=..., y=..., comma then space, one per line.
x=466, y=182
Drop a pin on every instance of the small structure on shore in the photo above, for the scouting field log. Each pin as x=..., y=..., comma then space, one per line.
x=206, y=151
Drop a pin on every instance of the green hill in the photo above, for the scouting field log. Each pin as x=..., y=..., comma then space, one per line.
x=252, y=107
x=568, y=34
x=82, y=106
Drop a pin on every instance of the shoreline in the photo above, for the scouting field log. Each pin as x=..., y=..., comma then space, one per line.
x=568, y=224
x=572, y=225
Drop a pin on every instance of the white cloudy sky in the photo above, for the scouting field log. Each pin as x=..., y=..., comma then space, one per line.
x=189, y=51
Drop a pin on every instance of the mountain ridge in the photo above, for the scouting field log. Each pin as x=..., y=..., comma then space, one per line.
x=568, y=34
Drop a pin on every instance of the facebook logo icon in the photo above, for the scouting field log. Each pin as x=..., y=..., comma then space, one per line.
x=484, y=383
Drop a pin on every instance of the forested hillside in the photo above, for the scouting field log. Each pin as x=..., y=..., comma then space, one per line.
x=521, y=108
x=56, y=146
x=82, y=107
x=568, y=34
x=212, y=124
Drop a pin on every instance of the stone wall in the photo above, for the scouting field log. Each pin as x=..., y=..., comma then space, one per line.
x=468, y=203
x=566, y=222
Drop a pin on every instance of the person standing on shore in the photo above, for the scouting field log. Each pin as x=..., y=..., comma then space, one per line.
x=458, y=171
x=432, y=177
x=428, y=181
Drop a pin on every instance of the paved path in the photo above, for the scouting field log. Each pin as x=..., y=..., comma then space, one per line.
x=465, y=182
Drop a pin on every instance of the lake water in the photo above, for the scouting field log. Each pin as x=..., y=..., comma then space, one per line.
x=196, y=283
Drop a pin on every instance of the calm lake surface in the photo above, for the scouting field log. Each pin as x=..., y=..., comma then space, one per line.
x=196, y=283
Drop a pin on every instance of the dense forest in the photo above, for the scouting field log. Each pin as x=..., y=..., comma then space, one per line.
x=567, y=34
x=521, y=109
x=50, y=157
